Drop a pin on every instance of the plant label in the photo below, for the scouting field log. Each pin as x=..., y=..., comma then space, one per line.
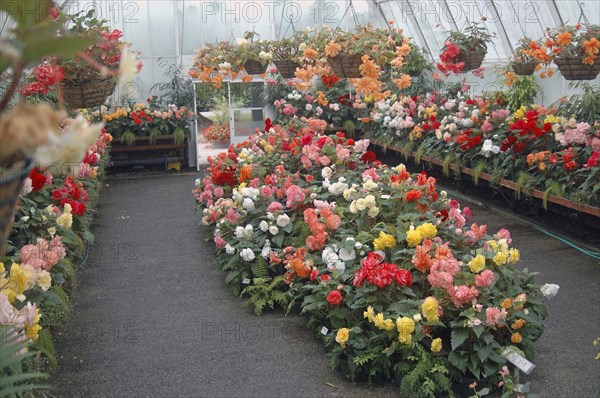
x=246, y=281
x=518, y=360
x=324, y=330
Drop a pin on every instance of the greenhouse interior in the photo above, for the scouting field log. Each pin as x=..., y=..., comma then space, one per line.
x=300, y=198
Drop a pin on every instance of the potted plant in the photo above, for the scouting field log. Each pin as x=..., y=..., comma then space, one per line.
x=574, y=49
x=527, y=57
x=286, y=53
x=250, y=54
x=85, y=83
x=465, y=50
x=218, y=134
x=415, y=62
x=345, y=50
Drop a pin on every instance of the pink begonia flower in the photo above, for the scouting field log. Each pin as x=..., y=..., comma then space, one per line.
x=494, y=315
x=295, y=195
x=219, y=192
x=7, y=312
x=266, y=191
x=486, y=127
x=220, y=242
x=342, y=153
x=485, y=279
x=504, y=234
x=370, y=173
x=274, y=206
x=461, y=295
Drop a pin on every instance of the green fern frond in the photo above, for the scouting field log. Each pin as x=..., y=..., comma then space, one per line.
x=447, y=161
x=477, y=171
x=128, y=137
x=178, y=136
x=419, y=154
x=363, y=359
x=154, y=133
x=553, y=188
x=350, y=127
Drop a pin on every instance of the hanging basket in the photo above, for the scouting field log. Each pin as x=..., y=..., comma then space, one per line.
x=87, y=94
x=253, y=67
x=286, y=67
x=574, y=69
x=525, y=69
x=11, y=185
x=346, y=65
x=472, y=60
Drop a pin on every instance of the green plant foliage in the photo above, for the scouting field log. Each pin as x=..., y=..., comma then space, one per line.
x=265, y=292
x=15, y=381
x=522, y=92
x=423, y=376
x=177, y=89
x=583, y=107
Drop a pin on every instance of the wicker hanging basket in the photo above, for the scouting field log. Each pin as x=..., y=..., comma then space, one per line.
x=472, y=60
x=253, y=67
x=87, y=94
x=525, y=69
x=286, y=67
x=346, y=65
x=574, y=69
x=11, y=185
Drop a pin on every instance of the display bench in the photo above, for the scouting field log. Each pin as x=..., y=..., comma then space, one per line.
x=164, y=150
x=542, y=199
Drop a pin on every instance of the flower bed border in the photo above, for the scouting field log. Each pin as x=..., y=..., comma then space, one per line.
x=591, y=210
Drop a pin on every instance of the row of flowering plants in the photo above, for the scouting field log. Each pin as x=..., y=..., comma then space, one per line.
x=550, y=152
x=392, y=275
x=143, y=120
x=48, y=240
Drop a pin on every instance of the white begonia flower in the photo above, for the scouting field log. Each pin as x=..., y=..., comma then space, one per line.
x=265, y=252
x=229, y=249
x=549, y=290
x=247, y=254
x=385, y=197
x=270, y=216
x=353, y=209
x=44, y=280
x=340, y=266
x=241, y=41
x=239, y=232
x=248, y=204
x=248, y=231
x=370, y=201
x=373, y=212
x=71, y=145
x=346, y=254
x=350, y=194
x=329, y=255
x=283, y=220
x=326, y=183
x=264, y=226
x=338, y=188
x=369, y=185
x=273, y=230
x=417, y=317
x=267, y=56
x=326, y=172
x=128, y=67
x=361, y=204
x=467, y=123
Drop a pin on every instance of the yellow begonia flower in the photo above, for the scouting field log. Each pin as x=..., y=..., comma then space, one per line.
x=500, y=258
x=384, y=241
x=405, y=325
x=369, y=314
x=2, y=269
x=405, y=338
x=477, y=264
x=427, y=230
x=436, y=345
x=413, y=237
x=514, y=255
x=378, y=321
x=430, y=309
x=342, y=336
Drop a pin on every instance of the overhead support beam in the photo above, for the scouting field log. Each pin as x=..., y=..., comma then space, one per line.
x=499, y=23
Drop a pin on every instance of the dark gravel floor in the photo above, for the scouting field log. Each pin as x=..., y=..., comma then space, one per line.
x=153, y=318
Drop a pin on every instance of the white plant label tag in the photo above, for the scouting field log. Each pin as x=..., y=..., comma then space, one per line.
x=518, y=360
x=246, y=281
x=324, y=330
